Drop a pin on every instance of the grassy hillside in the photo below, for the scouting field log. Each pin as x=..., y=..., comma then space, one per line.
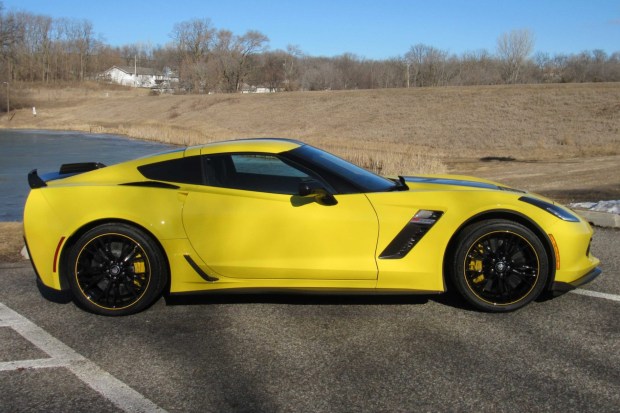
x=390, y=130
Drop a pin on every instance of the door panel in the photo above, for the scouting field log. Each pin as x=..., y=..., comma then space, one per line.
x=247, y=234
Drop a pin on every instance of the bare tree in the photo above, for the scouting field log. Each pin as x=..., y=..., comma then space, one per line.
x=513, y=49
x=139, y=53
x=194, y=40
x=271, y=71
x=82, y=37
x=318, y=73
x=426, y=65
x=349, y=68
x=9, y=30
x=40, y=48
x=390, y=73
x=10, y=35
x=478, y=68
x=235, y=54
x=291, y=67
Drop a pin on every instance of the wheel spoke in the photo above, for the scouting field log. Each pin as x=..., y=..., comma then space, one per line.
x=514, y=280
x=105, y=293
x=117, y=293
x=500, y=289
x=94, y=281
x=488, y=285
x=103, y=248
x=130, y=255
x=129, y=286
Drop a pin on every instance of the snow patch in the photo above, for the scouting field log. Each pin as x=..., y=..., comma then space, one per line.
x=612, y=207
x=24, y=253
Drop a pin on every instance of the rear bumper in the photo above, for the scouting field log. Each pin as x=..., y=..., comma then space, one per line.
x=34, y=267
x=562, y=287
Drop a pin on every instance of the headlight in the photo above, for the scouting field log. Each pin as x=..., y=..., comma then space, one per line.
x=556, y=210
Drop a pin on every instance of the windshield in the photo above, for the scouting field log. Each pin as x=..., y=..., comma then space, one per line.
x=329, y=165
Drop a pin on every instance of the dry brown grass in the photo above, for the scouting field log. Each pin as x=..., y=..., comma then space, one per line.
x=11, y=241
x=417, y=130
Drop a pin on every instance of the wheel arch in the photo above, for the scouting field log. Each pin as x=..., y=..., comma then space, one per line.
x=506, y=215
x=63, y=270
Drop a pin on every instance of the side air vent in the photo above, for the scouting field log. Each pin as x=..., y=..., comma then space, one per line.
x=411, y=234
x=198, y=270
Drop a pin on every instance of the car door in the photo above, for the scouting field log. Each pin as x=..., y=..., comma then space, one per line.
x=250, y=222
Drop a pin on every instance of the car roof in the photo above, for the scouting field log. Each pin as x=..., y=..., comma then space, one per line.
x=267, y=145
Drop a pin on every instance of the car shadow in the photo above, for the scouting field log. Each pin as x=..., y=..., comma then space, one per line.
x=318, y=299
x=453, y=300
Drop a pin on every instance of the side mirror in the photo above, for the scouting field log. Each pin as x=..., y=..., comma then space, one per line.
x=322, y=196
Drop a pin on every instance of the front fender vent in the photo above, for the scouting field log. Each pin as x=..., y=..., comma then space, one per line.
x=411, y=234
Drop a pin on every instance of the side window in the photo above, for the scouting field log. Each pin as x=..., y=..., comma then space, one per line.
x=254, y=172
x=264, y=165
x=182, y=170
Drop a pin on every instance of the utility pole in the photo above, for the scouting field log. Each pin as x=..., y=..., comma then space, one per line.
x=408, y=64
x=135, y=69
x=8, y=102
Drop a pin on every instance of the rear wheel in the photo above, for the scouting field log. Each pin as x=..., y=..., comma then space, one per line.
x=116, y=269
x=499, y=265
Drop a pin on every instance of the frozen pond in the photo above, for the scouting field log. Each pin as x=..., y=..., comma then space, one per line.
x=24, y=150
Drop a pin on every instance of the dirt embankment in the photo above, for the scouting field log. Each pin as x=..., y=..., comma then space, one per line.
x=565, y=180
x=391, y=130
x=11, y=241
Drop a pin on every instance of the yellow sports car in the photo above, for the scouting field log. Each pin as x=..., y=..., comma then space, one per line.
x=281, y=214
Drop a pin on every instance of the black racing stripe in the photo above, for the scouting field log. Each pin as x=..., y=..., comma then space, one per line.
x=446, y=181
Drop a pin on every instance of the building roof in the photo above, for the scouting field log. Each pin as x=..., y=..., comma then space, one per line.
x=143, y=71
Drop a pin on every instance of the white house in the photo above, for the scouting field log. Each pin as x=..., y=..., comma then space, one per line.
x=138, y=77
x=245, y=88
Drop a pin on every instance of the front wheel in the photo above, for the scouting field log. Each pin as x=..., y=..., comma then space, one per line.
x=116, y=269
x=499, y=265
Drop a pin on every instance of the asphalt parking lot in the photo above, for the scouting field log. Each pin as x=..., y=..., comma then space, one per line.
x=313, y=353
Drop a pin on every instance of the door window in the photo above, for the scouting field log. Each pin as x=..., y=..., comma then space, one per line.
x=254, y=172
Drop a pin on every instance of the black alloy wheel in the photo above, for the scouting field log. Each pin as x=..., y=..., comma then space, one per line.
x=116, y=269
x=499, y=265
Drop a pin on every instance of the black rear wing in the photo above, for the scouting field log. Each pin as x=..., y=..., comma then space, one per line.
x=66, y=170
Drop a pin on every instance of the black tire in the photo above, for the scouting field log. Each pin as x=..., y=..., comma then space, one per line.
x=115, y=269
x=499, y=265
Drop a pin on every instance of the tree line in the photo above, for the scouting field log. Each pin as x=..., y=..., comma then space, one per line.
x=37, y=48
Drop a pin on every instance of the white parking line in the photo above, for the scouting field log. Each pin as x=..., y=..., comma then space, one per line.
x=114, y=390
x=589, y=293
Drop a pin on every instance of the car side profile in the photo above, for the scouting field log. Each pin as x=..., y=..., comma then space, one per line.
x=280, y=214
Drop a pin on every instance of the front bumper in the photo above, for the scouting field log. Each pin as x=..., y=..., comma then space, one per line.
x=563, y=287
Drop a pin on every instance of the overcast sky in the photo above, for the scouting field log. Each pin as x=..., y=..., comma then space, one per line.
x=371, y=29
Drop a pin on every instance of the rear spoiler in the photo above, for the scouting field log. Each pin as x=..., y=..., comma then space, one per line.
x=66, y=170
